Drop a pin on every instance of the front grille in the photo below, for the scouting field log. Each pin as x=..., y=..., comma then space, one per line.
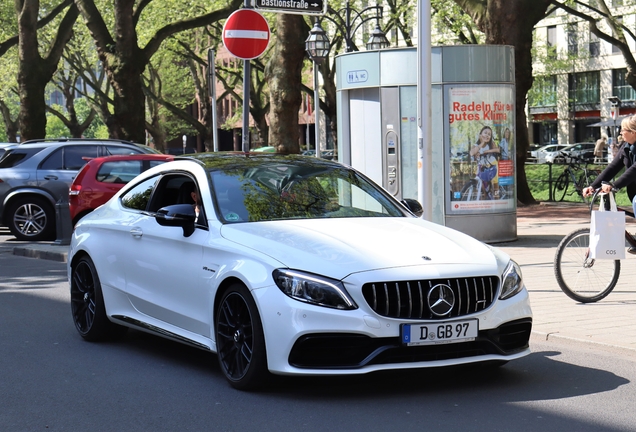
x=409, y=299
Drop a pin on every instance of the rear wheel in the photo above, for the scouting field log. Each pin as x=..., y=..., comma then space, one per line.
x=580, y=277
x=561, y=186
x=32, y=218
x=87, y=304
x=239, y=339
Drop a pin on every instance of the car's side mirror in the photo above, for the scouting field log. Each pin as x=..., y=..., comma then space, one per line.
x=414, y=206
x=178, y=215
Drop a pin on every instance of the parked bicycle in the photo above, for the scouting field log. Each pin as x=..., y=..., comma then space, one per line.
x=575, y=173
x=580, y=277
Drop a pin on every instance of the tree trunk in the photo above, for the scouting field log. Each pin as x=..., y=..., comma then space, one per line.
x=284, y=77
x=11, y=126
x=35, y=71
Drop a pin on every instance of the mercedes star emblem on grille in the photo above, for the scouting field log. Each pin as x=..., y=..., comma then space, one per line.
x=441, y=300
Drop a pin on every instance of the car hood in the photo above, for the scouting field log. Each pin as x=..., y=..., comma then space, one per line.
x=339, y=247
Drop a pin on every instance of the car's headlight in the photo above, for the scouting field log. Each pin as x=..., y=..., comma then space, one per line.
x=309, y=288
x=512, y=282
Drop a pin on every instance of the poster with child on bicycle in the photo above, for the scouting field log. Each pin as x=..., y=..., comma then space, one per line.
x=482, y=146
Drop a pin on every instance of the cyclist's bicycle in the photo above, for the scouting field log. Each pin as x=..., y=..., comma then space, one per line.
x=576, y=173
x=580, y=277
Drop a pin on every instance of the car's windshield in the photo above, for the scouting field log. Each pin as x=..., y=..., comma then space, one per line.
x=297, y=191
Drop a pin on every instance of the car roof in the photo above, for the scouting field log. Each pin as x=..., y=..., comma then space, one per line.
x=74, y=141
x=137, y=156
x=215, y=161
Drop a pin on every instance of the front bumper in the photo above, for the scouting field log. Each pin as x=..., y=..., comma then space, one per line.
x=310, y=340
x=344, y=351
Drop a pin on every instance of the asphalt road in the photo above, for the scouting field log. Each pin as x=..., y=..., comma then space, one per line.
x=50, y=379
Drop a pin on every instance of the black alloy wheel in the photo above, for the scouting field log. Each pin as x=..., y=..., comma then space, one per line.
x=87, y=304
x=239, y=339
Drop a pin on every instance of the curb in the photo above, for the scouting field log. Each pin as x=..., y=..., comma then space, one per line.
x=549, y=337
x=38, y=252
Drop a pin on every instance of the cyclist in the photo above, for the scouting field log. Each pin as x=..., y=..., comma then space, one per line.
x=626, y=158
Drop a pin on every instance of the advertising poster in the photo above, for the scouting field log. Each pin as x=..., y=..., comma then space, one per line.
x=481, y=123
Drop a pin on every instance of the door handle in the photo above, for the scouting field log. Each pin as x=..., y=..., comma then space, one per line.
x=136, y=232
x=50, y=177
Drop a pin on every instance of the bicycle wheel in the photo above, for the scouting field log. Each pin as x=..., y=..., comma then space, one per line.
x=470, y=192
x=561, y=186
x=581, y=278
x=591, y=176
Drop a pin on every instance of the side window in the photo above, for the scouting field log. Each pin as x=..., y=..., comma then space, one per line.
x=154, y=163
x=74, y=156
x=120, y=150
x=55, y=161
x=118, y=172
x=138, y=197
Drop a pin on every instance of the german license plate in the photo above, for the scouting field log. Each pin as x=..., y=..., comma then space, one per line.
x=446, y=332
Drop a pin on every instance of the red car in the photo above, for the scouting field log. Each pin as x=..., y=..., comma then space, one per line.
x=103, y=177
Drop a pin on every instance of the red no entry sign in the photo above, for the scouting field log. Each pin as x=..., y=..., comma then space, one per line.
x=246, y=34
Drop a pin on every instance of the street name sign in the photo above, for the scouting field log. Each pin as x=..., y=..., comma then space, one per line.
x=298, y=7
x=246, y=34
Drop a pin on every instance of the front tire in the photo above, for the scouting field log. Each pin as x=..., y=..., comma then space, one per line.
x=87, y=304
x=32, y=219
x=581, y=278
x=239, y=339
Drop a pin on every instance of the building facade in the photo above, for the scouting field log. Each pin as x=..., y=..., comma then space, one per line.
x=579, y=79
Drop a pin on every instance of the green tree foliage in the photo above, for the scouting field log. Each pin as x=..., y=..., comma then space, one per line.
x=126, y=38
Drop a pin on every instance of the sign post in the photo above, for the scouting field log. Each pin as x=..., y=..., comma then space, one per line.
x=246, y=36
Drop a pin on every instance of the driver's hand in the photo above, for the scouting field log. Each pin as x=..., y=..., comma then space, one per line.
x=588, y=191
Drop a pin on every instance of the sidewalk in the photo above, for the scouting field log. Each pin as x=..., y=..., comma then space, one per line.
x=540, y=228
x=608, y=322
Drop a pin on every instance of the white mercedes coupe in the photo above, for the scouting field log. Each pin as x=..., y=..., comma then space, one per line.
x=291, y=265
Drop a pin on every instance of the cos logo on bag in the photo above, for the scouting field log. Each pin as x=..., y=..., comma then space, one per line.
x=610, y=252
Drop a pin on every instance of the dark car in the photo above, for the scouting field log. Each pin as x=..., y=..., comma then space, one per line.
x=35, y=175
x=102, y=177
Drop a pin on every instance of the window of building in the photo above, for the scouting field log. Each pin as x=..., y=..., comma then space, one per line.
x=544, y=92
x=619, y=22
x=584, y=88
x=573, y=43
x=594, y=46
x=620, y=87
x=551, y=42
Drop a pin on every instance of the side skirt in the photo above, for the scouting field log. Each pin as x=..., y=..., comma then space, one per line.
x=131, y=322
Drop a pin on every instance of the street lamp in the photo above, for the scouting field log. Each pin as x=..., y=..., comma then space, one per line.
x=377, y=40
x=317, y=46
x=352, y=21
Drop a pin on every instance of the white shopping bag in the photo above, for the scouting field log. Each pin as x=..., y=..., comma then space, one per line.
x=607, y=231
